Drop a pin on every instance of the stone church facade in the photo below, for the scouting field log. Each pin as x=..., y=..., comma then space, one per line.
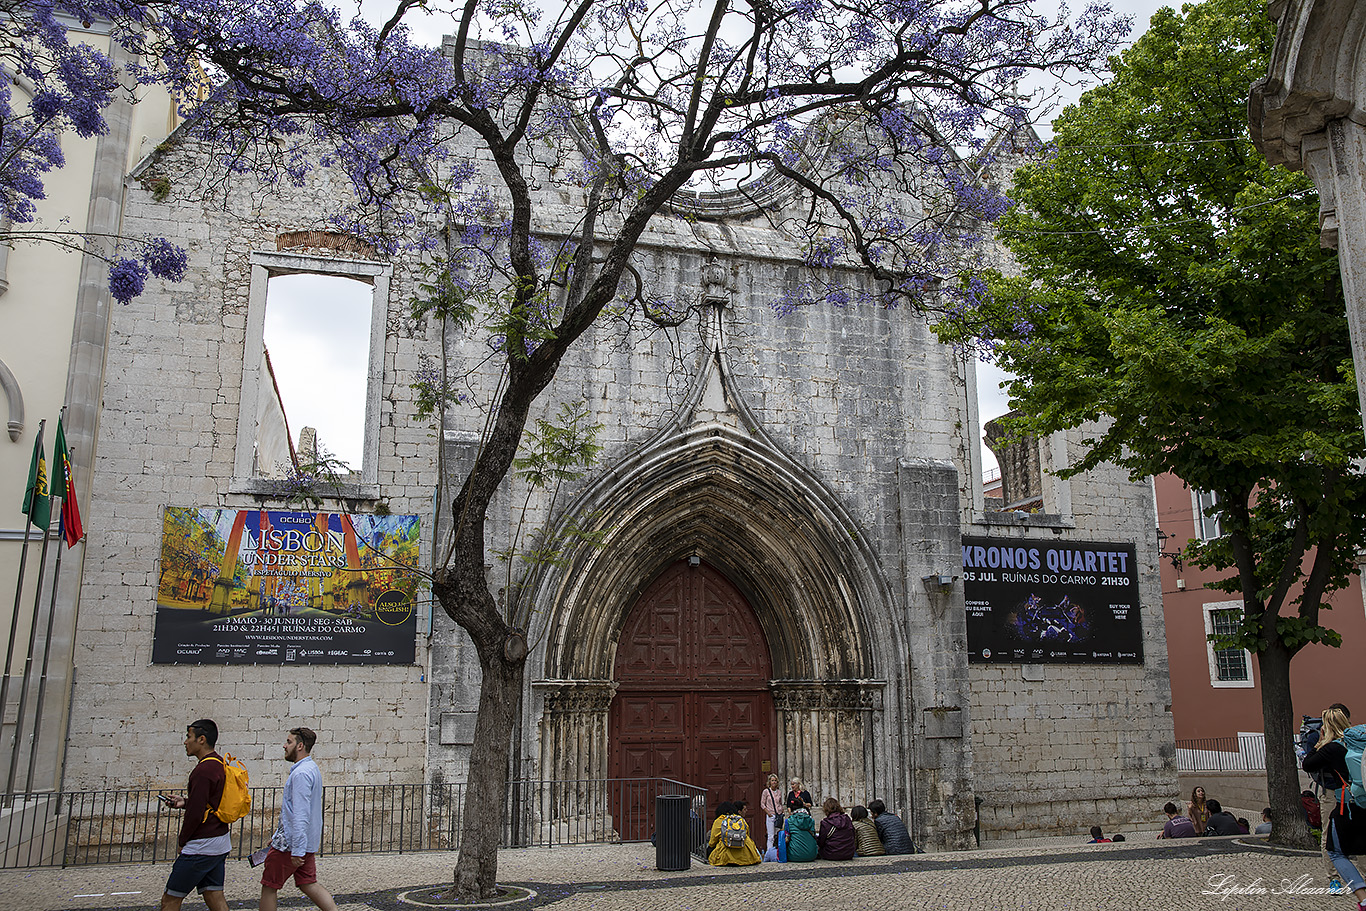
x=778, y=499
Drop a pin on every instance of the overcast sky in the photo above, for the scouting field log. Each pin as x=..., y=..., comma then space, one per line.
x=318, y=335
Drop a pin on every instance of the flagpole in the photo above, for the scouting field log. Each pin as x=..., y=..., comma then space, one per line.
x=42, y=677
x=51, y=608
x=14, y=620
x=28, y=660
x=14, y=630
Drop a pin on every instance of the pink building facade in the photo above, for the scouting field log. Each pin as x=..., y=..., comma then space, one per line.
x=1215, y=693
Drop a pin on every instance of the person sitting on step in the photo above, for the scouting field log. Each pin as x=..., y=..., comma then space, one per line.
x=895, y=838
x=730, y=842
x=869, y=845
x=800, y=831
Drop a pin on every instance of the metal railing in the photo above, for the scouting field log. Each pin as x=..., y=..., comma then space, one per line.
x=1243, y=753
x=132, y=826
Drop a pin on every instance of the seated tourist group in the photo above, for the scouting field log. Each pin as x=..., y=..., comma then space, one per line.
x=795, y=834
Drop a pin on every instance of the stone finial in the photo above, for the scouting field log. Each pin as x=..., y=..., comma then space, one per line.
x=716, y=283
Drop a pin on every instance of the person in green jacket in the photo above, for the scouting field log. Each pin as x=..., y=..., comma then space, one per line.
x=801, y=837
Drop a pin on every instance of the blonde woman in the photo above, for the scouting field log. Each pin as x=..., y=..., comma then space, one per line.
x=771, y=802
x=1345, y=834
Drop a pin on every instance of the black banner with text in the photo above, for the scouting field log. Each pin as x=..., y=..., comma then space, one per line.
x=1051, y=602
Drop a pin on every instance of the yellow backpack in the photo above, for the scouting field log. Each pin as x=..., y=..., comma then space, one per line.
x=236, y=800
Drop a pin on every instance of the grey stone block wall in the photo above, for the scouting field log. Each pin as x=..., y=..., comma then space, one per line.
x=167, y=436
x=942, y=706
x=828, y=460
x=864, y=408
x=1059, y=748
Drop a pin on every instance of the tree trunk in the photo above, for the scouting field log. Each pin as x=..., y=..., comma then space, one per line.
x=476, y=866
x=1288, y=825
x=463, y=592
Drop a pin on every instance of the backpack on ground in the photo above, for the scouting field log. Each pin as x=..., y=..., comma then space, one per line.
x=734, y=831
x=1354, y=739
x=236, y=800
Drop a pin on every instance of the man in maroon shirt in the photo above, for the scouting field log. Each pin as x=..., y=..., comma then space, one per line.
x=204, y=841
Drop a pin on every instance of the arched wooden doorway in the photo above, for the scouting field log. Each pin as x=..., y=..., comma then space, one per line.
x=693, y=700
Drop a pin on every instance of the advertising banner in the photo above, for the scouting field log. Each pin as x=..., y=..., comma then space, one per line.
x=256, y=586
x=1051, y=602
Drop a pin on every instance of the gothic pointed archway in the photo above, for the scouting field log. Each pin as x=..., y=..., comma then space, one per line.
x=810, y=583
x=693, y=701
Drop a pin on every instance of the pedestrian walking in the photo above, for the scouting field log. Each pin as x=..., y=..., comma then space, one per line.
x=204, y=840
x=299, y=837
x=1345, y=831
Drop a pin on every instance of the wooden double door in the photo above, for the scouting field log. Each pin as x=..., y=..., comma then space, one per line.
x=693, y=701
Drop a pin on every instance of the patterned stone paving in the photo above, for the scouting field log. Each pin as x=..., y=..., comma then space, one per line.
x=1197, y=874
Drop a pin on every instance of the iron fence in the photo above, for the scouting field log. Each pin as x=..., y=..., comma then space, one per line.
x=1243, y=753
x=133, y=826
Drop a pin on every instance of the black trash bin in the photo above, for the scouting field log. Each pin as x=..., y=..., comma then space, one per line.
x=673, y=850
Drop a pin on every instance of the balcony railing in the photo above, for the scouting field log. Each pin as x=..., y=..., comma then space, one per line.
x=1243, y=753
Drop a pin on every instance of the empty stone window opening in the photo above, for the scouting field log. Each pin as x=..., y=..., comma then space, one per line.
x=313, y=369
x=316, y=353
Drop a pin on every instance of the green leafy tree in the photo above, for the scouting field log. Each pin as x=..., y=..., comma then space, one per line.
x=1175, y=300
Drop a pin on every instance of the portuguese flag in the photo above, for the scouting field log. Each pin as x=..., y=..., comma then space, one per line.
x=64, y=485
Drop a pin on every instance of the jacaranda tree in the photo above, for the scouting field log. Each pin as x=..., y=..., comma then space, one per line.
x=50, y=88
x=863, y=109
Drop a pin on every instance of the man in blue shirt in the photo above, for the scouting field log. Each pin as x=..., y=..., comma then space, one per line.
x=300, y=833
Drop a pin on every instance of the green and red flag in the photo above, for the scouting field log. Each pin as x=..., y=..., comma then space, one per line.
x=37, y=505
x=64, y=485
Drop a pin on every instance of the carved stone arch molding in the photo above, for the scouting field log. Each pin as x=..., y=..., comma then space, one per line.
x=1309, y=113
x=776, y=534
x=1317, y=74
x=723, y=495
x=14, y=398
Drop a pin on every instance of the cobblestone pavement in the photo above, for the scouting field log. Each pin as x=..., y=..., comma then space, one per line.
x=1197, y=874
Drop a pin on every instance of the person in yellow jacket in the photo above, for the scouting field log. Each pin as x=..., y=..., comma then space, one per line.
x=722, y=854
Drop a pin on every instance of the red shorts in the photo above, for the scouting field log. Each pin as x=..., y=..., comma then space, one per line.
x=277, y=870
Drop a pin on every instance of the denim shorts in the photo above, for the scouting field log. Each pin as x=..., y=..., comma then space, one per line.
x=205, y=872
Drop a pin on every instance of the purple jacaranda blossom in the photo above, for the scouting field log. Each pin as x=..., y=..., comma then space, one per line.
x=67, y=85
x=165, y=259
x=126, y=279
